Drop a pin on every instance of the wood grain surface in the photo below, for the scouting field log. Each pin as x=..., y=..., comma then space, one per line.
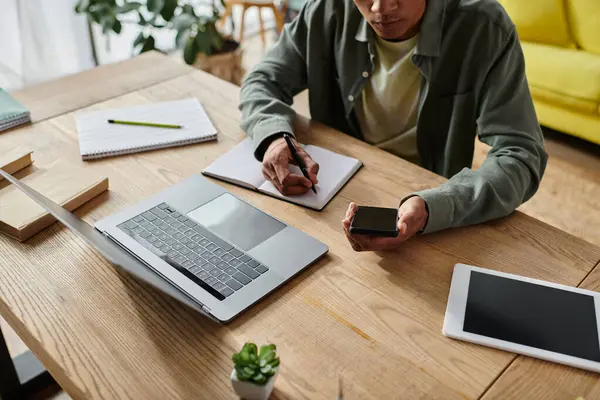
x=57, y=97
x=376, y=319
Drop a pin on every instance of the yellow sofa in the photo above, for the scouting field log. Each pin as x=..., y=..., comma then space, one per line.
x=561, y=43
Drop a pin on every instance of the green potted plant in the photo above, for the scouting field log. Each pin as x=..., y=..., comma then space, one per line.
x=254, y=373
x=202, y=44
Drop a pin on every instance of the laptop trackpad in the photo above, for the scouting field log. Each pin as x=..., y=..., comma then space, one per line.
x=236, y=221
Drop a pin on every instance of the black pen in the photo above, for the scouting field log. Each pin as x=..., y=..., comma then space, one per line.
x=297, y=159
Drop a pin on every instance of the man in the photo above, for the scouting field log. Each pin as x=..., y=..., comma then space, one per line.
x=418, y=78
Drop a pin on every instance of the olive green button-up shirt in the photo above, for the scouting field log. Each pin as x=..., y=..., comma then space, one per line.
x=472, y=83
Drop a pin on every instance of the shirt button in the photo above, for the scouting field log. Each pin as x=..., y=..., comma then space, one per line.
x=350, y=98
x=365, y=74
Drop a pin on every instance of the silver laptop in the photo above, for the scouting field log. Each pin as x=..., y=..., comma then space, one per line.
x=198, y=243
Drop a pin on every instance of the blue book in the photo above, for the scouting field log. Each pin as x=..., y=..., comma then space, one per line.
x=12, y=113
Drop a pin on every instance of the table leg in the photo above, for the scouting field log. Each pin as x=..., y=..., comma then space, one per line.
x=22, y=376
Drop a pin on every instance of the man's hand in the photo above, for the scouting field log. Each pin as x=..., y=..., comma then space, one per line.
x=275, y=168
x=412, y=217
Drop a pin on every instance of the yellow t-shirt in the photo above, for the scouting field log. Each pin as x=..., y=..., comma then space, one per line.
x=387, y=110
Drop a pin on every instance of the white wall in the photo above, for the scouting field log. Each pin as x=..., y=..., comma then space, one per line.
x=41, y=40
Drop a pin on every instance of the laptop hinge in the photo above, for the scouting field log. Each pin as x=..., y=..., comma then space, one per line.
x=204, y=308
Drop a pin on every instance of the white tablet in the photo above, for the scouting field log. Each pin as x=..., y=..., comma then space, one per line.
x=527, y=316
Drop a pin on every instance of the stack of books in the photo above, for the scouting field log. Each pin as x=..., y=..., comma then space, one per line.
x=61, y=181
x=12, y=113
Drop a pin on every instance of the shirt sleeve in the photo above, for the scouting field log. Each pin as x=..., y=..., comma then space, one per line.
x=514, y=166
x=267, y=93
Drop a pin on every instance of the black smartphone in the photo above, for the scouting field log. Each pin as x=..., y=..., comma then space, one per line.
x=375, y=221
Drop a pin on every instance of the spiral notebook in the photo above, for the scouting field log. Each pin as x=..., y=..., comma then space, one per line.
x=238, y=166
x=12, y=113
x=98, y=138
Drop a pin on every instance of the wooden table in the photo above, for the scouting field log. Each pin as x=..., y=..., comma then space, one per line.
x=374, y=318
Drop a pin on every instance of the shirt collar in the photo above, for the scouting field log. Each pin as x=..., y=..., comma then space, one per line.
x=430, y=37
x=362, y=32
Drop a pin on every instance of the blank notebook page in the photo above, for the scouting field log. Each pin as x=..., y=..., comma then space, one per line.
x=98, y=138
x=238, y=165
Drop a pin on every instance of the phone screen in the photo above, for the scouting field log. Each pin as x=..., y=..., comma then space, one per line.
x=375, y=219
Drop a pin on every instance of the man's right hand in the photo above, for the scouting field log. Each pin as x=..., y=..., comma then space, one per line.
x=275, y=168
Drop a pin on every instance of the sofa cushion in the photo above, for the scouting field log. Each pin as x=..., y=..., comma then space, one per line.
x=573, y=104
x=540, y=21
x=584, y=20
x=565, y=77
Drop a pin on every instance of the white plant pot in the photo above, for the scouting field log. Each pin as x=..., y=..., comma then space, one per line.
x=251, y=391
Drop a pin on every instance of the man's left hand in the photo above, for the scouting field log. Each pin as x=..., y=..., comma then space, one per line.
x=412, y=217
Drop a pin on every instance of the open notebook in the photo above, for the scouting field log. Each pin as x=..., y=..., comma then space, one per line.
x=238, y=166
x=98, y=138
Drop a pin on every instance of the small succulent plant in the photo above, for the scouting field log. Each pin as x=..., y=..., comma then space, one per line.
x=256, y=366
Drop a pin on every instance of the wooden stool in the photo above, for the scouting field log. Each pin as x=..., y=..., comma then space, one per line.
x=246, y=4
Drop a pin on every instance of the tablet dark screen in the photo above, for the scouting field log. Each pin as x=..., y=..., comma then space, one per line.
x=532, y=315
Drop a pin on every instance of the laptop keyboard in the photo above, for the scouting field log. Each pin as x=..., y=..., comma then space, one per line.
x=206, y=259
